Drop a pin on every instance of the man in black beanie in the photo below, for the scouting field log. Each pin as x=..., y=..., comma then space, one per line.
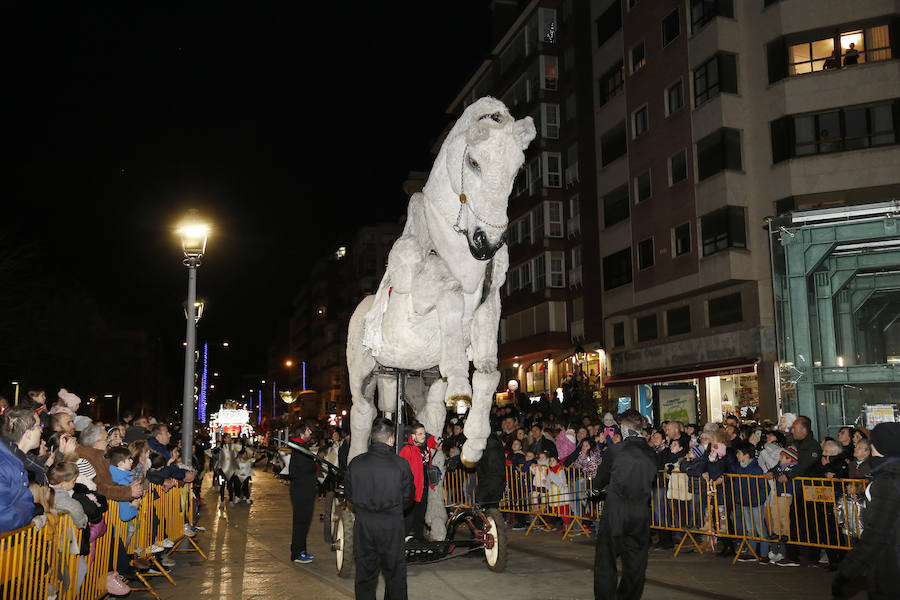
x=877, y=553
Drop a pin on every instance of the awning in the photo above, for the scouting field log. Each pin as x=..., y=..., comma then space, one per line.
x=720, y=369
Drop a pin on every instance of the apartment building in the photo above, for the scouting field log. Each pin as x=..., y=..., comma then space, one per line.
x=321, y=314
x=551, y=324
x=710, y=116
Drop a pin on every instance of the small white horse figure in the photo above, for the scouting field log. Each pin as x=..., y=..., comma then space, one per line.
x=439, y=300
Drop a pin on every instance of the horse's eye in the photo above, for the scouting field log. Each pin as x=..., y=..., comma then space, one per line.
x=474, y=164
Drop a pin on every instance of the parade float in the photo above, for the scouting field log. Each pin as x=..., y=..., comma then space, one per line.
x=437, y=310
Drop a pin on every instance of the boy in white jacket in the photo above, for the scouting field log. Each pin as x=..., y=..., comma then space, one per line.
x=242, y=474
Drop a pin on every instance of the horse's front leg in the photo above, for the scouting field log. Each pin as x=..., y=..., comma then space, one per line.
x=436, y=288
x=485, y=323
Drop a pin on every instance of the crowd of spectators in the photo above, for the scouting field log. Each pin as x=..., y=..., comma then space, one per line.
x=54, y=459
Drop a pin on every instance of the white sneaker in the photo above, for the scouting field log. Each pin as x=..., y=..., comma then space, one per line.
x=197, y=528
x=154, y=549
x=188, y=531
x=167, y=543
x=167, y=562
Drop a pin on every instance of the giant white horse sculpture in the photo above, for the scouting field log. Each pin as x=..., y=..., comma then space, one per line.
x=439, y=300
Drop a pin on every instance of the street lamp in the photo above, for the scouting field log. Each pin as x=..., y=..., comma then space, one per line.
x=194, y=234
x=16, y=401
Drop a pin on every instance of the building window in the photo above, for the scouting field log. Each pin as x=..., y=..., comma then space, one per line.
x=678, y=167
x=638, y=57
x=615, y=206
x=845, y=48
x=678, y=320
x=725, y=310
x=674, y=97
x=640, y=121
x=613, y=144
x=718, y=74
x=646, y=328
x=645, y=254
x=537, y=222
x=671, y=27
x=554, y=219
x=574, y=207
x=632, y=4
x=540, y=272
x=549, y=70
x=723, y=228
x=704, y=11
x=550, y=121
x=548, y=25
x=609, y=23
x=618, y=335
x=576, y=257
x=557, y=269
x=525, y=276
x=719, y=151
x=612, y=83
x=642, y=188
x=834, y=131
x=681, y=239
x=572, y=166
x=552, y=169
x=571, y=106
x=617, y=269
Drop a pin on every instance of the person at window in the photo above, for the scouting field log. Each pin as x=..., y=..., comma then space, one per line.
x=851, y=56
x=833, y=61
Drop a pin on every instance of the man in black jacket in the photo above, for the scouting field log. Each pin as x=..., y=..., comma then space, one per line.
x=802, y=515
x=302, y=472
x=627, y=472
x=877, y=552
x=380, y=485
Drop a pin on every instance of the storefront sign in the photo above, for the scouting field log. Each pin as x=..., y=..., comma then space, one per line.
x=879, y=413
x=676, y=403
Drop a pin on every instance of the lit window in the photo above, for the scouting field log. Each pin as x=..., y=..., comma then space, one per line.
x=638, y=57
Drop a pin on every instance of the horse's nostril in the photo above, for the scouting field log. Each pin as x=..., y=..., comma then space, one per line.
x=479, y=238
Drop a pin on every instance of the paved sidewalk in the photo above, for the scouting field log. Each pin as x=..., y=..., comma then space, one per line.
x=249, y=559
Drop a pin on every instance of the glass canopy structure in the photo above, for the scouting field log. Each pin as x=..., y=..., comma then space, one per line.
x=836, y=282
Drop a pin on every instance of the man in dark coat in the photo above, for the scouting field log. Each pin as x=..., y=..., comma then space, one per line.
x=380, y=485
x=626, y=473
x=878, y=550
x=491, y=471
x=302, y=472
x=803, y=516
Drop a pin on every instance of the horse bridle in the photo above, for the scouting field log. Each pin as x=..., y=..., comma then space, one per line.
x=463, y=200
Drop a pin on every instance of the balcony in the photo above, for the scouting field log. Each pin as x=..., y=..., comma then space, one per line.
x=577, y=327
x=573, y=225
x=575, y=277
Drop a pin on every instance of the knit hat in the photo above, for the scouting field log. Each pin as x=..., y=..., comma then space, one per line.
x=86, y=474
x=72, y=401
x=697, y=451
x=82, y=422
x=791, y=454
x=886, y=438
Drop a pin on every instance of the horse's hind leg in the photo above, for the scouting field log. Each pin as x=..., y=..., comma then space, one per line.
x=432, y=416
x=360, y=365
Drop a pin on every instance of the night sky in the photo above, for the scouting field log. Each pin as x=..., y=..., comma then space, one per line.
x=288, y=126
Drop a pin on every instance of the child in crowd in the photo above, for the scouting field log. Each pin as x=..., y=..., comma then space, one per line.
x=750, y=495
x=62, y=478
x=120, y=462
x=780, y=505
x=538, y=471
x=244, y=473
x=558, y=488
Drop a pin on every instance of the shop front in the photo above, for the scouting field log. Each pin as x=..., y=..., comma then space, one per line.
x=696, y=394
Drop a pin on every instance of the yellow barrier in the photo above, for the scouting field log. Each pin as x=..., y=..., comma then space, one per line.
x=814, y=512
x=39, y=563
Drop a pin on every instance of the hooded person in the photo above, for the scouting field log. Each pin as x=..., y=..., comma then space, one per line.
x=876, y=553
x=67, y=403
x=565, y=444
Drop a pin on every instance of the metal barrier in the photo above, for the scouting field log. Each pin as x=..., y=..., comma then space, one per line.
x=755, y=510
x=39, y=563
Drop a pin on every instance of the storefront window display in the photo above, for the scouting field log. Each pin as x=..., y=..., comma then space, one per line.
x=733, y=395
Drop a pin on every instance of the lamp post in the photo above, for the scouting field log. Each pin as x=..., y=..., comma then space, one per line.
x=194, y=234
x=118, y=398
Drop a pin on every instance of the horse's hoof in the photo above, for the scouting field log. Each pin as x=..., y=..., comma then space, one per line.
x=467, y=463
x=458, y=390
x=457, y=398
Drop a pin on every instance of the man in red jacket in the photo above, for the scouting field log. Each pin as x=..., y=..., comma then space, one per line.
x=419, y=451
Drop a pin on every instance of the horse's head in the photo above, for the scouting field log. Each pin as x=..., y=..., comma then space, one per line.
x=481, y=156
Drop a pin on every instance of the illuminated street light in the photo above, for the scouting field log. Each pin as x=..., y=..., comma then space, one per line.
x=194, y=234
x=225, y=344
x=289, y=363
